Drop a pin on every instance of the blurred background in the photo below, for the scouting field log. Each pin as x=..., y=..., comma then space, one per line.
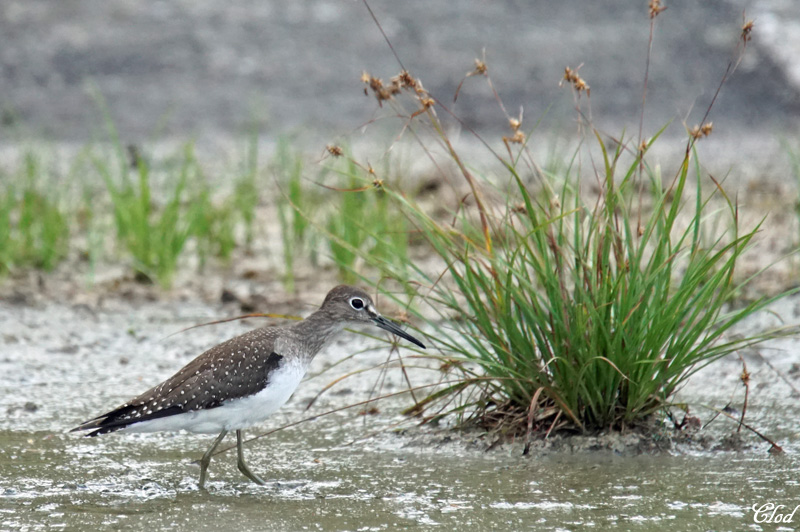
x=208, y=70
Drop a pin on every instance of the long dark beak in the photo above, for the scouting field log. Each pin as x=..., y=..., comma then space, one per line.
x=387, y=325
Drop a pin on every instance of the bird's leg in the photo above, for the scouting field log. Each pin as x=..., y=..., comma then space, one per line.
x=243, y=466
x=207, y=459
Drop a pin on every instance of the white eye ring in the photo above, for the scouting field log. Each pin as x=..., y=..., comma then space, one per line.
x=357, y=303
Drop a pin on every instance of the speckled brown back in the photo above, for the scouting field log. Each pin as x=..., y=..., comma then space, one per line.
x=231, y=370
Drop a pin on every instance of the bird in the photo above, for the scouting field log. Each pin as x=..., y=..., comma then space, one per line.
x=241, y=382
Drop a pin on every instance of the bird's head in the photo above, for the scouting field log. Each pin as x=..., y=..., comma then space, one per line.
x=353, y=304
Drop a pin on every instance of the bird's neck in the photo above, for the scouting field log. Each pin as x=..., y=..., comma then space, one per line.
x=316, y=331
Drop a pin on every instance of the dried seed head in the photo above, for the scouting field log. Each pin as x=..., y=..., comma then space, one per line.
x=377, y=183
x=365, y=77
x=334, y=150
x=519, y=209
x=655, y=8
x=514, y=123
x=747, y=29
x=480, y=68
x=517, y=138
x=407, y=80
x=703, y=130
x=426, y=102
x=377, y=87
x=745, y=376
x=577, y=82
x=375, y=83
x=581, y=85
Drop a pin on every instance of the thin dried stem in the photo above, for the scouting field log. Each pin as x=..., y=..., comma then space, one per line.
x=745, y=378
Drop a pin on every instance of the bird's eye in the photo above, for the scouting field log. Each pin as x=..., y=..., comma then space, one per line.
x=357, y=303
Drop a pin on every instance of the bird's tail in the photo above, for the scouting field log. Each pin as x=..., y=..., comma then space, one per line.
x=122, y=417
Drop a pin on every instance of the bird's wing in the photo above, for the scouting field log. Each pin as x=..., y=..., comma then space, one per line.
x=231, y=370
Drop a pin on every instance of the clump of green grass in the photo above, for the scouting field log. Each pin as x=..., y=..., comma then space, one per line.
x=245, y=193
x=294, y=200
x=365, y=223
x=154, y=236
x=33, y=228
x=345, y=227
x=218, y=216
x=350, y=217
x=581, y=311
x=213, y=224
x=194, y=218
x=587, y=311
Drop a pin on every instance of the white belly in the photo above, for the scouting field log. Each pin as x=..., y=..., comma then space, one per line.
x=233, y=415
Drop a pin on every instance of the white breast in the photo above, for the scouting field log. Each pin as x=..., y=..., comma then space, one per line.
x=235, y=414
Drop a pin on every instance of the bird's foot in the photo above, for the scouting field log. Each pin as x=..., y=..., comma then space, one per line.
x=249, y=474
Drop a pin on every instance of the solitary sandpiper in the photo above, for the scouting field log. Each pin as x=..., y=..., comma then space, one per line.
x=241, y=382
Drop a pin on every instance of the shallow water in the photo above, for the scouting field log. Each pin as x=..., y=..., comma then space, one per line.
x=147, y=482
x=60, y=365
